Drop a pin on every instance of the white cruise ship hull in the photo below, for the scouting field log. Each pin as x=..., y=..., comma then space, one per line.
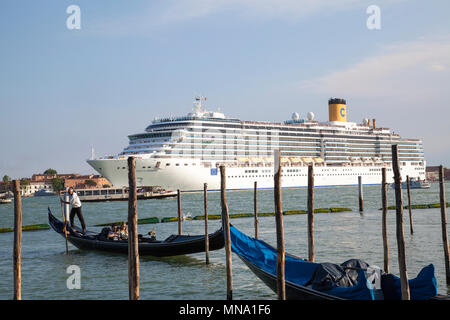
x=191, y=174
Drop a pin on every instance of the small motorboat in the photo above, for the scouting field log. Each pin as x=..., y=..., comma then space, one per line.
x=172, y=246
x=5, y=201
x=306, y=280
x=414, y=184
x=44, y=193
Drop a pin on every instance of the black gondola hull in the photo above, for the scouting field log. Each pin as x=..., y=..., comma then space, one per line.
x=293, y=291
x=172, y=246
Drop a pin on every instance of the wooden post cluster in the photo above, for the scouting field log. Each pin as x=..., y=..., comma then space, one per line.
x=205, y=205
x=281, y=288
x=408, y=187
x=255, y=208
x=384, y=201
x=180, y=216
x=17, y=250
x=361, y=196
x=444, y=223
x=226, y=229
x=399, y=222
x=311, y=213
x=133, y=249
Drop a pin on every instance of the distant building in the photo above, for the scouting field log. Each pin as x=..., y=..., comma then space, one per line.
x=3, y=186
x=34, y=186
x=48, y=177
x=80, y=182
x=432, y=173
x=44, y=181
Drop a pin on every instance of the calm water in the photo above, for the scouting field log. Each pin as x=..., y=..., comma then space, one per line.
x=339, y=236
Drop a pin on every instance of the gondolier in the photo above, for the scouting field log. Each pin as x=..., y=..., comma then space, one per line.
x=75, y=202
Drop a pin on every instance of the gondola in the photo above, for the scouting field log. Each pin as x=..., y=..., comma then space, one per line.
x=172, y=246
x=261, y=259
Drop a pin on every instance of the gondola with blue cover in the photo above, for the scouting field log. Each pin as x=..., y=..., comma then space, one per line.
x=300, y=275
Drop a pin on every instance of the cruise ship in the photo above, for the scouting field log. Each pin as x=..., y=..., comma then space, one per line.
x=185, y=152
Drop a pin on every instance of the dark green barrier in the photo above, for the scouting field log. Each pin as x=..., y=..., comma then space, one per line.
x=140, y=221
x=31, y=227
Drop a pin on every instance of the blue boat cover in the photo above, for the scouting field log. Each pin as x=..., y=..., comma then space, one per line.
x=297, y=271
x=423, y=287
x=300, y=272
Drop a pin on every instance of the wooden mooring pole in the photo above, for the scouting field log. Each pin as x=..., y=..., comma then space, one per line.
x=361, y=195
x=255, y=208
x=311, y=213
x=65, y=225
x=17, y=254
x=180, y=216
x=133, y=249
x=399, y=222
x=226, y=229
x=384, y=201
x=66, y=206
x=444, y=223
x=205, y=205
x=281, y=287
x=408, y=187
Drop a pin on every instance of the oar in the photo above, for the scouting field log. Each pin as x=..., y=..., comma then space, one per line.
x=65, y=224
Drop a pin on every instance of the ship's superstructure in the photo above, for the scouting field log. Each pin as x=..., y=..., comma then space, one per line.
x=185, y=152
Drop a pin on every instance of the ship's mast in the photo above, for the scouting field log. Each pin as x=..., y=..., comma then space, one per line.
x=198, y=106
x=92, y=153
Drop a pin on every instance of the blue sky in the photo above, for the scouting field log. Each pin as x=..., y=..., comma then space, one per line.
x=63, y=90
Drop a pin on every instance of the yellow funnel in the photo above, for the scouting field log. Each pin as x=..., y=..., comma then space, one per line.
x=337, y=110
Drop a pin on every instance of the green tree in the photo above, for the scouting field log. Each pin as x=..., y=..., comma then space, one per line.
x=5, y=185
x=106, y=186
x=50, y=171
x=58, y=184
x=25, y=182
x=90, y=183
x=6, y=182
